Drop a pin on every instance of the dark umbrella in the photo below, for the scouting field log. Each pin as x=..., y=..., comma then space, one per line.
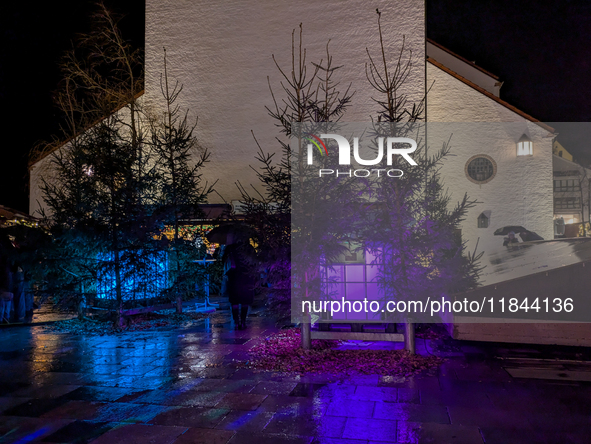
x=219, y=235
x=506, y=230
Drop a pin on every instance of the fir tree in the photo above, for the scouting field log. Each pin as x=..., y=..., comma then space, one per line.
x=120, y=182
x=99, y=185
x=181, y=189
x=311, y=100
x=413, y=225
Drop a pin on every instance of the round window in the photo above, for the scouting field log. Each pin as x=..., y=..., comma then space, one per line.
x=481, y=169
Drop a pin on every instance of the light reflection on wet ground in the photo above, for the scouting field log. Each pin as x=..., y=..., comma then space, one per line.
x=183, y=386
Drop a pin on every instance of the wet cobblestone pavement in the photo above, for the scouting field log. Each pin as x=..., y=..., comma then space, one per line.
x=43, y=315
x=183, y=386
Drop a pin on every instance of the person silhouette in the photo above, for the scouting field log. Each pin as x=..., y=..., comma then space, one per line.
x=239, y=282
x=510, y=239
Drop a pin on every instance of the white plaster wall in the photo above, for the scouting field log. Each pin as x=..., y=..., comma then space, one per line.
x=521, y=191
x=42, y=169
x=222, y=54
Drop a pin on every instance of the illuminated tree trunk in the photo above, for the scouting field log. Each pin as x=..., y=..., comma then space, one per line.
x=118, y=292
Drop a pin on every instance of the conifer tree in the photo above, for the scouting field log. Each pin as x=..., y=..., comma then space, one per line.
x=418, y=252
x=413, y=221
x=98, y=187
x=310, y=100
x=121, y=180
x=179, y=161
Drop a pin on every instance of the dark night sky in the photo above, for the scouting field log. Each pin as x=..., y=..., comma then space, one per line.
x=541, y=50
x=33, y=37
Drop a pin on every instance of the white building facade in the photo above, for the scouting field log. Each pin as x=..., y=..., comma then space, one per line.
x=518, y=191
x=224, y=53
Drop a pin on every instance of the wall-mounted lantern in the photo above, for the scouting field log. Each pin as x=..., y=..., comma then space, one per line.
x=525, y=146
x=482, y=221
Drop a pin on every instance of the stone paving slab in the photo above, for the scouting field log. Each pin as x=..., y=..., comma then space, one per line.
x=351, y=408
x=45, y=391
x=34, y=408
x=82, y=410
x=296, y=405
x=339, y=441
x=44, y=315
x=411, y=412
x=24, y=429
x=7, y=402
x=204, y=436
x=274, y=388
x=241, y=421
x=264, y=438
x=374, y=429
x=449, y=433
x=199, y=417
x=142, y=434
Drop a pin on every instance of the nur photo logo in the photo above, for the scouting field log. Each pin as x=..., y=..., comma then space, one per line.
x=387, y=147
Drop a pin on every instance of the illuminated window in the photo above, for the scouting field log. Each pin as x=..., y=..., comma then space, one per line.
x=525, y=146
x=567, y=203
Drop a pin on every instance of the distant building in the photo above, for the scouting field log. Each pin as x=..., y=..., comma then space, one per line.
x=560, y=151
x=572, y=188
x=10, y=216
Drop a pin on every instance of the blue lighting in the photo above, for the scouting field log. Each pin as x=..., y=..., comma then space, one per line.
x=142, y=275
